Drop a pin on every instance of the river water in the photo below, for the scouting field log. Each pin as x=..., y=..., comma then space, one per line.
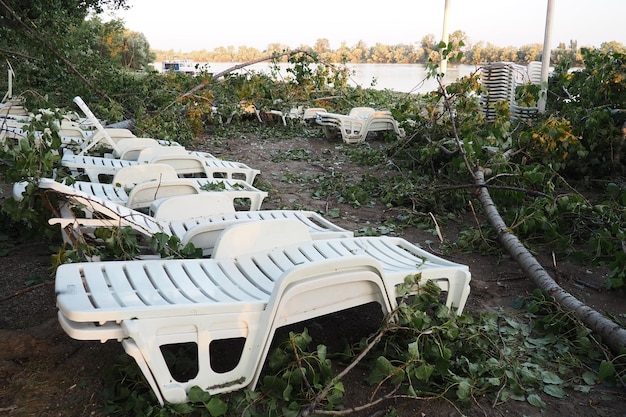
x=405, y=78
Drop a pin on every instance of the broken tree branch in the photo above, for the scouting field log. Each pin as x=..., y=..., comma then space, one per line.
x=206, y=83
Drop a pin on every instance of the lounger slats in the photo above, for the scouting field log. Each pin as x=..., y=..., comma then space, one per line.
x=231, y=288
x=251, y=288
x=157, y=275
x=125, y=294
x=181, y=278
x=265, y=265
x=281, y=261
x=385, y=253
x=208, y=287
x=157, y=283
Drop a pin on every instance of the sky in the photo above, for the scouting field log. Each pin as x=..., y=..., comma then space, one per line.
x=188, y=25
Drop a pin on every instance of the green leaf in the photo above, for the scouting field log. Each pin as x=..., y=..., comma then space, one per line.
x=322, y=352
x=198, y=395
x=583, y=388
x=550, y=378
x=272, y=383
x=334, y=213
x=554, y=391
x=464, y=390
x=424, y=371
x=606, y=371
x=494, y=381
x=535, y=400
x=382, y=369
x=287, y=392
x=301, y=340
x=182, y=408
x=528, y=376
x=216, y=407
x=413, y=350
x=589, y=378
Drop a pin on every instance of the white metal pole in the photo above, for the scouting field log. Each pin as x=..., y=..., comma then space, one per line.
x=545, y=59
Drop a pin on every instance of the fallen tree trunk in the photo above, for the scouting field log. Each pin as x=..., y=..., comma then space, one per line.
x=613, y=335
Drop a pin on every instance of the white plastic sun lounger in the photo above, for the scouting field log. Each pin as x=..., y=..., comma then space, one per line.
x=104, y=136
x=196, y=219
x=355, y=126
x=242, y=297
x=98, y=169
x=143, y=194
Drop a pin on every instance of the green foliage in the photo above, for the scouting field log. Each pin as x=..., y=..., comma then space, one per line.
x=589, y=99
x=551, y=143
x=422, y=351
x=110, y=244
x=171, y=247
x=503, y=356
x=34, y=155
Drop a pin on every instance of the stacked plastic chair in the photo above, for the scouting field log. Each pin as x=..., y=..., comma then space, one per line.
x=526, y=75
x=498, y=78
x=501, y=81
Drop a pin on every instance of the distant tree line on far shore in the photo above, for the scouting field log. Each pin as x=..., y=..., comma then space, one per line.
x=416, y=53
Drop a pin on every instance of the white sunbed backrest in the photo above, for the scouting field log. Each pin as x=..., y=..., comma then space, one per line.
x=183, y=164
x=114, y=133
x=251, y=237
x=192, y=206
x=361, y=112
x=70, y=129
x=534, y=72
x=130, y=148
x=147, y=155
x=144, y=194
x=130, y=176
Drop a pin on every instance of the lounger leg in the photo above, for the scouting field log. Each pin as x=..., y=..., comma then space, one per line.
x=147, y=338
x=131, y=348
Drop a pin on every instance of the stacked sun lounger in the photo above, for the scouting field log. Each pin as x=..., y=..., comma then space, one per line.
x=356, y=125
x=501, y=81
x=260, y=270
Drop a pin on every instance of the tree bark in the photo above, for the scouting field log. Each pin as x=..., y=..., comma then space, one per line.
x=613, y=335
